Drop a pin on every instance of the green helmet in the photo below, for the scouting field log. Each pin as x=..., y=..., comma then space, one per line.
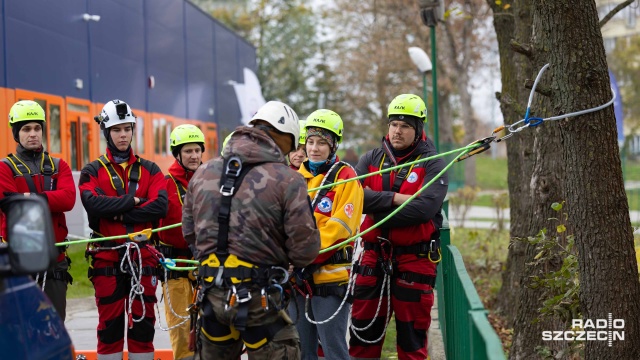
x=185, y=134
x=224, y=143
x=326, y=119
x=303, y=133
x=407, y=104
x=25, y=111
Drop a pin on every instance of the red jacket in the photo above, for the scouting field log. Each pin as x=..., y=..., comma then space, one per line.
x=103, y=204
x=417, y=221
x=174, y=236
x=61, y=199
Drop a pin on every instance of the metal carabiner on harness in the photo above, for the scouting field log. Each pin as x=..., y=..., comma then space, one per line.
x=386, y=262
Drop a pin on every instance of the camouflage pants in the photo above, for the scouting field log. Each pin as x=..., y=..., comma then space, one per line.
x=220, y=340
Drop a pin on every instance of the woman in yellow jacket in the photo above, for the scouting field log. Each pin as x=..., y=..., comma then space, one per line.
x=321, y=308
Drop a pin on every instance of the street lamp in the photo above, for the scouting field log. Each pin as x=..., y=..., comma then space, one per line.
x=432, y=11
x=423, y=63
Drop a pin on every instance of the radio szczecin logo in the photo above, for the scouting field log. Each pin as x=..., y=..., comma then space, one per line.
x=609, y=329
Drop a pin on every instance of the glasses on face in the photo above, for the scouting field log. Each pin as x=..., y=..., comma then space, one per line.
x=400, y=124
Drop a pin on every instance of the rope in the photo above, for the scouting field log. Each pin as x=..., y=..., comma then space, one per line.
x=537, y=121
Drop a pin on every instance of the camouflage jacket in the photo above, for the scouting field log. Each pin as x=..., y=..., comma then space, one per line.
x=271, y=222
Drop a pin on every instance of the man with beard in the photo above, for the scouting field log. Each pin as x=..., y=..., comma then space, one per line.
x=404, y=249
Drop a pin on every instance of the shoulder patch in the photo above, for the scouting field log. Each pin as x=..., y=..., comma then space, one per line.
x=348, y=210
x=413, y=177
x=325, y=204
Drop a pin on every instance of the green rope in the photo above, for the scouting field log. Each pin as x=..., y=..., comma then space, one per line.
x=84, y=241
x=376, y=225
x=463, y=150
x=468, y=147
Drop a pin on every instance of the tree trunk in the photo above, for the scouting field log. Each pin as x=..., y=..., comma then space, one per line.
x=510, y=24
x=588, y=170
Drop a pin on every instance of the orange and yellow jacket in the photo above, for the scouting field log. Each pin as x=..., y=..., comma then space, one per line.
x=338, y=215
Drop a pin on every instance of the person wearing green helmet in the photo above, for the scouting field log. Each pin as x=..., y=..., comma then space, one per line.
x=297, y=156
x=405, y=249
x=224, y=143
x=31, y=170
x=337, y=211
x=187, y=146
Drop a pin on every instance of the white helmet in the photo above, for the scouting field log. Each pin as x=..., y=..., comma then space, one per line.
x=282, y=117
x=115, y=112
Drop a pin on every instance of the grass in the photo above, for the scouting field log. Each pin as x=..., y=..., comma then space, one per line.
x=81, y=286
x=389, y=350
x=491, y=174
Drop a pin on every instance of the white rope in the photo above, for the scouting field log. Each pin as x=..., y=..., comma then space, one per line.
x=512, y=128
x=185, y=318
x=386, y=280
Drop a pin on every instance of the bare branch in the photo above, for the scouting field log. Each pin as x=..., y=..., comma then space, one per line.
x=520, y=48
x=615, y=10
x=542, y=90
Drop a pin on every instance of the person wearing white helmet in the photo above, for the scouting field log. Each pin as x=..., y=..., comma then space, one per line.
x=247, y=217
x=123, y=194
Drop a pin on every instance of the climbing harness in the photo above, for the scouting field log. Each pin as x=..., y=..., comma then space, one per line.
x=118, y=184
x=48, y=167
x=238, y=277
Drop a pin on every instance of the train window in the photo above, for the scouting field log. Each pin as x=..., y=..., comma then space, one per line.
x=54, y=130
x=103, y=143
x=211, y=142
x=73, y=149
x=139, y=138
x=85, y=144
x=160, y=136
x=167, y=133
x=77, y=108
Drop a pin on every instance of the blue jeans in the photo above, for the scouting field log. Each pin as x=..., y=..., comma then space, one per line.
x=333, y=334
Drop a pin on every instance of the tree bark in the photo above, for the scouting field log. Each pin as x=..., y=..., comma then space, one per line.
x=567, y=35
x=511, y=24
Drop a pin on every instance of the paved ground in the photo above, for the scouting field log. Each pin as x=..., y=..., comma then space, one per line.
x=82, y=319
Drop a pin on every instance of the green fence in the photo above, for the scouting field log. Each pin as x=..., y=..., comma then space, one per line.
x=466, y=331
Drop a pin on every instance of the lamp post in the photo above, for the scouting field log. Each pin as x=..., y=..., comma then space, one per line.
x=430, y=12
x=423, y=63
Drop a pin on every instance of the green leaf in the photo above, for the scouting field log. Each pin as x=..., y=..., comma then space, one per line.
x=556, y=206
x=561, y=228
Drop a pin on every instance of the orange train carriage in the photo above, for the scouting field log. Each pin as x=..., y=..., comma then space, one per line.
x=73, y=135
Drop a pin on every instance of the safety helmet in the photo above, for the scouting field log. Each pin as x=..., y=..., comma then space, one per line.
x=26, y=111
x=407, y=104
x=326, y=119
x=303, y=133
x=115, y=112
x=224, y=143
x=282, y=117
x=185, y=134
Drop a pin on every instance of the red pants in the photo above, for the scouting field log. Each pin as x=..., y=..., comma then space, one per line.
x=112, y=298
x=411, y=303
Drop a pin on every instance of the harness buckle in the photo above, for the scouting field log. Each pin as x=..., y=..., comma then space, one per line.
x=242, y=295
x=218, y=281
x=234, y=167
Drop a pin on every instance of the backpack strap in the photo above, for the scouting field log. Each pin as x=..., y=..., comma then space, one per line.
x=181, y=190
x=329, y=179
x=48, y=167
